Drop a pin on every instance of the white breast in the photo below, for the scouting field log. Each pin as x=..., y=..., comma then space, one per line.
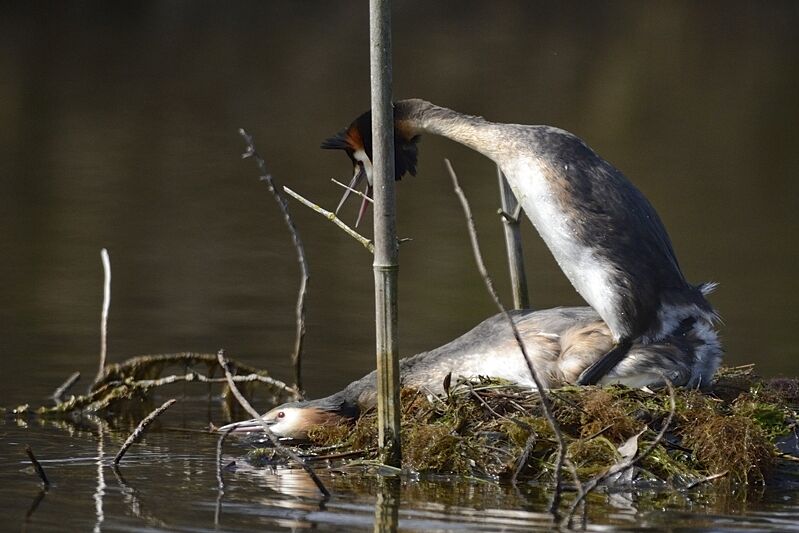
x=578, y=260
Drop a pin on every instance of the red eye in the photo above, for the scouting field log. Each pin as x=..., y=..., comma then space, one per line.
x=281, y=414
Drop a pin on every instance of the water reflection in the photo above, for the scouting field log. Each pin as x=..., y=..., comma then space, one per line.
x=120, y=131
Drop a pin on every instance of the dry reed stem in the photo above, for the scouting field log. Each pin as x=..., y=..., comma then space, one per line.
x=546, y=404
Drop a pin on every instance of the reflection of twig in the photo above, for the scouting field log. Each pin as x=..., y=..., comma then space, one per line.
x=620, y=467
x=141, y=428
x=220, y=482
x=546, y=406
x=35, y=504
x=104, y=315
x=37, y=466
x=296, y=357
x=59, y=393
x=275, y=442
x=354, y=191
x=366, y=243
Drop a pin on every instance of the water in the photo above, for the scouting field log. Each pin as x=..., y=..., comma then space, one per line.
x=119, y=131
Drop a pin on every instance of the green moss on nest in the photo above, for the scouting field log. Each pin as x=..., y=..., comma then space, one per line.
x=483, y=428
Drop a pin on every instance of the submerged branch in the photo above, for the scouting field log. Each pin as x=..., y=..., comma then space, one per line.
x=141, y=428
x=37, y=466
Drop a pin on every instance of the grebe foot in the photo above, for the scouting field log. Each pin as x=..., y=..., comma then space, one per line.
x=600, y=368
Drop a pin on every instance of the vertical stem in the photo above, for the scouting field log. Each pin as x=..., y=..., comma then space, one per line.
x=386, y=253
x=104, y=314
x=513, y=244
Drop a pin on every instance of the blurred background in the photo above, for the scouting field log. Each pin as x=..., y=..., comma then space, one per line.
x=119, y=130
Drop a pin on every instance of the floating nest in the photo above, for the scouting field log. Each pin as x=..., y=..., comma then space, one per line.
x=493, y=430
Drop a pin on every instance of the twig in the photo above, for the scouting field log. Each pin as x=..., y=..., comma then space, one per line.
x=141, y=428
x=275, y=441
x=355, y=191
x=104, y=315
x=296, y=357
x=546, y=405
x=59, y=393
x=37, y=466
x=200, y=378
x=528, y=447
x=366, y=243
x=706, y=479
x=620, y=467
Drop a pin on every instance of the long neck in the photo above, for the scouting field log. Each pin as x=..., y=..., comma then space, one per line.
x=493, y=140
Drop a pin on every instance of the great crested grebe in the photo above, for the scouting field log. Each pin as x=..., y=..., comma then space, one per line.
x=604, y=234
x=561, y=342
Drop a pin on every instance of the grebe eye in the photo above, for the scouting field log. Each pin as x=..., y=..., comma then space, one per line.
x=281, y=414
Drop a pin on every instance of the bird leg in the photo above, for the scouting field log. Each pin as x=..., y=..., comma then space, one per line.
x=600, y=368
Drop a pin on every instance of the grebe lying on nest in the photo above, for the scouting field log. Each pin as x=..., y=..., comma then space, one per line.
x=561, y=342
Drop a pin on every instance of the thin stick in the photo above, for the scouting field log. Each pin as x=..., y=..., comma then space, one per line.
x=104, y=315
x=546, y=405
x=141, y=428
x=275, y=441
x=37, y=466
x=366, y=243
x=59, y=393
x=706, y=479
x=354, y=191
x=276, y=190
x=201, y=378
x=620, y=467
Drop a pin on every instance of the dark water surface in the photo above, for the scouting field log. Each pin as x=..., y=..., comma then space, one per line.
x=119, y=131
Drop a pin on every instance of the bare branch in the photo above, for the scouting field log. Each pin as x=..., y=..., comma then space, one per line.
x=275, y=441
x=366, y=243
x=141, y=428
x=276, y=190
x=546, y=405
x=59, y=393
x=200, y=378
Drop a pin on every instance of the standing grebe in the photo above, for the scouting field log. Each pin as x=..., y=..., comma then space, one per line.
x=604, y=234
x=561, y=342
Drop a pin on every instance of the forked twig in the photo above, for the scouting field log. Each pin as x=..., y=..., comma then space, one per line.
x=276, y=190
x=546, y=405
x=366, y=243
x=141, y=428
x=275, y=441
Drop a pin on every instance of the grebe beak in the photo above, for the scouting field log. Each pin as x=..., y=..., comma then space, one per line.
x=246, y=426
x=357, y=177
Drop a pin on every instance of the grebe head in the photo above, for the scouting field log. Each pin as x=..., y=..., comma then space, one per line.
x=295, y=419
x=356, y=142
